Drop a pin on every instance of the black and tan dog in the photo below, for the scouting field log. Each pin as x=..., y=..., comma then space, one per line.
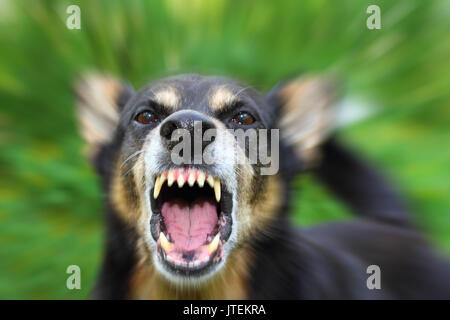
x=222, y=231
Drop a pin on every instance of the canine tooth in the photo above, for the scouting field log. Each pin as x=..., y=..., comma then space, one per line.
x=162, y=179
x=214, y=244
x=157, y=188
x=210, y=181
x=170, y=178
x=217, y=189
x=191, y=179
x=165, y=244
x=180, y=180
x=201, y=179
x=169, y=259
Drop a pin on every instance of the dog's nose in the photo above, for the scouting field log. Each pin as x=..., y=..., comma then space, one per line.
x=194, y=123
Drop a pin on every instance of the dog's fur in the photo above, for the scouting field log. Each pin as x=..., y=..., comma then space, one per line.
x=266, y=256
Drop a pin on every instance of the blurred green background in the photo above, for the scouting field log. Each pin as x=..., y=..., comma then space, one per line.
x=50, y=203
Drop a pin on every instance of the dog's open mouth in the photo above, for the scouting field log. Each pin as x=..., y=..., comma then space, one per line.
x=191, y=219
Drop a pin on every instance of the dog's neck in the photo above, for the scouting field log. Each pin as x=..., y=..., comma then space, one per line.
x=230, y=283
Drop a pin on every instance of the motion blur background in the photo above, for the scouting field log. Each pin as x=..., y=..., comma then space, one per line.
x=50, y=203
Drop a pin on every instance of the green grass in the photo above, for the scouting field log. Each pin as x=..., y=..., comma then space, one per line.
x=50, y=204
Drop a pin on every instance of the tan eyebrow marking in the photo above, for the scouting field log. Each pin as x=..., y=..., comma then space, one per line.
x=221, y=98
x=168, y=97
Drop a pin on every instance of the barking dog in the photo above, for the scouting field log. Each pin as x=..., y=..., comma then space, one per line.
x=221, y=229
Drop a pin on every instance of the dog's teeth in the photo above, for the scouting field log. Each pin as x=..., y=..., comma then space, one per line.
x=165, y=244
x=214, y=244
x=180, y=180
x=210, y=181
x=217, y=189
x=201, y=179
x=157, y=188
x=196, y=263
x=191, y=179
x=162, y=179
x=170, y=178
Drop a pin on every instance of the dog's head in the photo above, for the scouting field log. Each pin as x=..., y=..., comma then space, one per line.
x=191, y=162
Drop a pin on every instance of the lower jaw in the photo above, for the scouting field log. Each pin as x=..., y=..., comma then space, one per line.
x=201, y=261
x=195, y=262
x=185, y=273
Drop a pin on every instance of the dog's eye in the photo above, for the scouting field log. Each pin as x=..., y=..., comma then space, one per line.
x=243, y=118
x=146, y=117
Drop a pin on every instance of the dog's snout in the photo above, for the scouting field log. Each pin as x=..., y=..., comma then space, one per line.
x=193, y=123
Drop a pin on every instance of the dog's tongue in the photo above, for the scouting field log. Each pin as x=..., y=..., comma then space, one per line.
x=188, y=224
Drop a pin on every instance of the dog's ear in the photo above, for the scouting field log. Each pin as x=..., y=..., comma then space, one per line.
x=99, y=100
x=306, y=109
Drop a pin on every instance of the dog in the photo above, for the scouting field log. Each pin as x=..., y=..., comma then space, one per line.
x=222, y=230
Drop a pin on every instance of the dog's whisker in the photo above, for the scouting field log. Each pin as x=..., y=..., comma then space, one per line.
x=138, y=162
x=131, y=157
x=242, y=90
